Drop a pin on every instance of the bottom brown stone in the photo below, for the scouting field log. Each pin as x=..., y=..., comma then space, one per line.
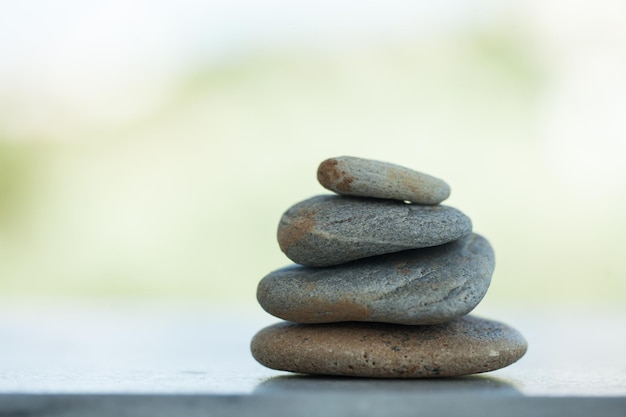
x=464, y=346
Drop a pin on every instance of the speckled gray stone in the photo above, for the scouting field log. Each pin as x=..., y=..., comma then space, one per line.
x=330, y=229
x=420, y=286
x=353, y=176
x=464, y=346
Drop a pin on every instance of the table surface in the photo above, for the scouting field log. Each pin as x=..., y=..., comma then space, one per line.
x=140, y=359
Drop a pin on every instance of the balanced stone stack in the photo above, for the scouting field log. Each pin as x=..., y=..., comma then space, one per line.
x=385, y=281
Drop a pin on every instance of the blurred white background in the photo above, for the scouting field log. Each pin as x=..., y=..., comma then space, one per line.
x=148, y=149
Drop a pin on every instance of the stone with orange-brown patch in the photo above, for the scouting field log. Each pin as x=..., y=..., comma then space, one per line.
x=416, y=287
x=369, y=178
x=332, y=229
x=301, y=224
x=329, y=172
x=319, y=310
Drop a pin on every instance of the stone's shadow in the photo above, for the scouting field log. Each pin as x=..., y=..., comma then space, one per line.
x=464, y=385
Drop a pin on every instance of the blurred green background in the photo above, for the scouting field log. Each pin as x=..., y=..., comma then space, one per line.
x=148, y=150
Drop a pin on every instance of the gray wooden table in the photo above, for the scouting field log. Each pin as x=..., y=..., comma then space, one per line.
x=156, y=360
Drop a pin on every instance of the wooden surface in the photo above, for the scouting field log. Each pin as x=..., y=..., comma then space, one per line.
x=138, y=359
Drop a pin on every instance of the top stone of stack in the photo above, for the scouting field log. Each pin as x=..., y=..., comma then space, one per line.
x=359, y=177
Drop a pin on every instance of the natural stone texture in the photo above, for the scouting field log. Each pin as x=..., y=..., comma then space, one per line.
x=421, y=286
x=368, y=178
x=463, y=346
x=330, y=229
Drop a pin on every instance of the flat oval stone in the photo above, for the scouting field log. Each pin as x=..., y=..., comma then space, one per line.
x=464, y=346
x=420, y=286
x=329, y=229
x=353, y=176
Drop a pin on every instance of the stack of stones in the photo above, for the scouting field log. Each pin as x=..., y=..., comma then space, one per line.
x=385, y=280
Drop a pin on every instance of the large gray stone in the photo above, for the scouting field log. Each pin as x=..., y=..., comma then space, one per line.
x=421, y=286
x=464, y=346
x=353, y=176
x=330, y=229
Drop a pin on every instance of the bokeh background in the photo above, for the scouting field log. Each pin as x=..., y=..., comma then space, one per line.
x=149, y=148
